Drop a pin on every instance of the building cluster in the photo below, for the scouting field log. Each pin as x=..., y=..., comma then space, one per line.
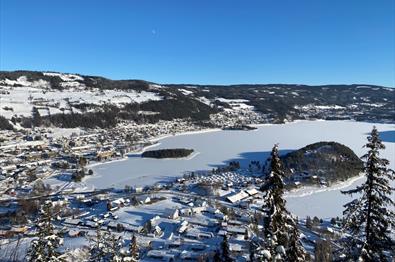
x=169, y=224
x=239, y=117
x=43, y=153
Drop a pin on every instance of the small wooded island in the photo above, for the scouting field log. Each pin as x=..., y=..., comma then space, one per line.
x=168, y=153
x=240, y=127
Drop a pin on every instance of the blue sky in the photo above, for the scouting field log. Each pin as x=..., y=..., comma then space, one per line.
x=216, y=42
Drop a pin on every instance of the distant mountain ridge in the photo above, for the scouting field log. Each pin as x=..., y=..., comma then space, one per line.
x=55, y=78
x=57, y=95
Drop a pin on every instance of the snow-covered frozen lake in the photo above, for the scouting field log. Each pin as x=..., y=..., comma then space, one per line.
x=219, y=147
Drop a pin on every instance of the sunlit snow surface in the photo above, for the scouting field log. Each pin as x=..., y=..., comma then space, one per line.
x=20, y=99
x=218, y=148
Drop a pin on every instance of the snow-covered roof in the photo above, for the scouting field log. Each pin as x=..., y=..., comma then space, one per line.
x=237, y=197
x=252, y=191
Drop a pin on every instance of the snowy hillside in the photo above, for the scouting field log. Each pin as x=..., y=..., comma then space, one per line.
x=19, y=96
x=56, y=95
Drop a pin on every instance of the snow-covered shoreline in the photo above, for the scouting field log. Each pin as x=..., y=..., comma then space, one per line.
x=200, y=131
x=309, y=190
x=95, y=164
x=144, y=148
x=156, y=143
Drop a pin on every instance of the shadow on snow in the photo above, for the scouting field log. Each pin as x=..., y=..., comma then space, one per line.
x=246, y=157
x=388, y=136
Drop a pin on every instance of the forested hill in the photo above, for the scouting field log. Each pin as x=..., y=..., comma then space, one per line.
x=322, y=161
x=70, y=100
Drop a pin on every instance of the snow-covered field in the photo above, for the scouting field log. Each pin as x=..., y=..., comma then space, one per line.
x=218, y=148
x=20, y=99
x=235, y=104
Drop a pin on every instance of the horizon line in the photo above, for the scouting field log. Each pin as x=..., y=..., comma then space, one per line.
x=195, y=84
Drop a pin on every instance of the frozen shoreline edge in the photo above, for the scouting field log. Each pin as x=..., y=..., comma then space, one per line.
x=310, y=190
x=156, y=141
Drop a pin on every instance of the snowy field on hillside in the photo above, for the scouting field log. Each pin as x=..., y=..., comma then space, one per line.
x=235, y=104
x=220, y=147
x=19, y=100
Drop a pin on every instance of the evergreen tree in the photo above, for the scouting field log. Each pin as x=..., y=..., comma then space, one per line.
x=309, y=223
x=369, y=217
x=295, y=251
x=133, y=249
x=225, y=254
x=107, y=247
x=98, y=246
x=323, y=250
x=217, y=256
x=274, y=203
x=280, y=230
x=36, y=117
x=115, y=252
x=252, y=250
x=44, y=249
x=148, y=227
x=82, y=162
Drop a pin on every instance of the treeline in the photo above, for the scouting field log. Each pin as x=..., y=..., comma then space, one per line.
x=5, y=124
x=111, y=116
x=168, y=153
x=179, y=107
x=108, y=116
x=105, y=119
